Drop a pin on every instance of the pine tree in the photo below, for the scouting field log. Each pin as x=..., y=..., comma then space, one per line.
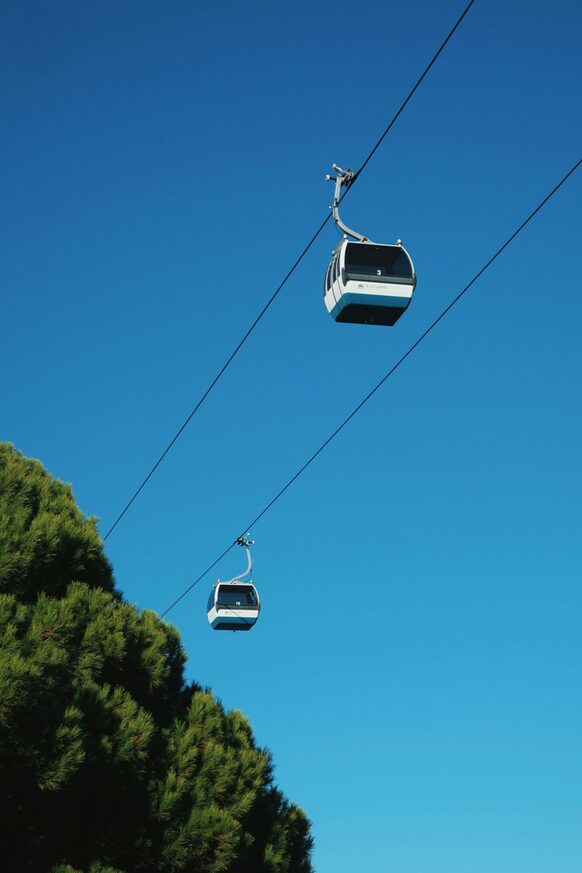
x=109, y=762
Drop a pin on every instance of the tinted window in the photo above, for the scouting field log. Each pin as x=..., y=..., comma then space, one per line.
x=211, y=599
x=236, y=595
x=366, y=259
x=328, y=279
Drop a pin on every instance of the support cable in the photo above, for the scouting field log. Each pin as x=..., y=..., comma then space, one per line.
x=280, y=287
x=379, y=384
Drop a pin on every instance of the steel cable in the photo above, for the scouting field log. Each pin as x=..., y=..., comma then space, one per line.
x=280, y=287
x=379, y=384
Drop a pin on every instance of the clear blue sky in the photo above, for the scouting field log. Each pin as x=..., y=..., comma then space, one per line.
x=416, y=667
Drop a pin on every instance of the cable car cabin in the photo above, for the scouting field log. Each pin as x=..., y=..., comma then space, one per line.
x=233, y=606
x=368, y=283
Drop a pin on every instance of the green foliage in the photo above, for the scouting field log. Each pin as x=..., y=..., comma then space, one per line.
x=108, y=762
x=45, y=541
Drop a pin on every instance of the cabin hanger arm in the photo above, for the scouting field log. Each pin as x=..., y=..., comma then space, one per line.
x=246, y=543
x=343, y=178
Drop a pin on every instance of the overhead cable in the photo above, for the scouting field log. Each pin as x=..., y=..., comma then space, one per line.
x=379, y=384
x=280, y=287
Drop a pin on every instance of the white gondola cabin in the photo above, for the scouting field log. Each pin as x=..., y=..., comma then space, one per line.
x=366, y=282
x=235, y=605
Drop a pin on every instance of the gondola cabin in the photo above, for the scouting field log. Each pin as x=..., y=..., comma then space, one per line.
x=368, y=283
x=233, y=606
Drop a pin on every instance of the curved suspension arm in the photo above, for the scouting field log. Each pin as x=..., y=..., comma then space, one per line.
x=341, y=179
x=246, y=543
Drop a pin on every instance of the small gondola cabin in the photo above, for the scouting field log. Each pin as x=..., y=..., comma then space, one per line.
x=233, y=606
x=368, y=283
